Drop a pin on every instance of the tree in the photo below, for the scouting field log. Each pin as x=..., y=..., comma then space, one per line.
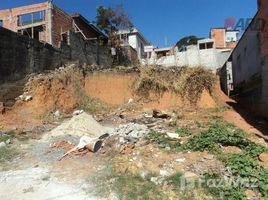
x=186, y=41
x=111, y=20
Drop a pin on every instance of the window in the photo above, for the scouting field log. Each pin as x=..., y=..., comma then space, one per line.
x=31, y=18
x=1, y=23
x=202, y=46
x=210, y=45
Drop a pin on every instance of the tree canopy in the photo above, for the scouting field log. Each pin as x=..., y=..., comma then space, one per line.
x=186, y=41
x=113, y=19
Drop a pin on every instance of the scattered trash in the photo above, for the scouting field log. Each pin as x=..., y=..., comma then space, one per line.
x=86, y=142
x=130, y=101
x=78, y=112
x=159, y=114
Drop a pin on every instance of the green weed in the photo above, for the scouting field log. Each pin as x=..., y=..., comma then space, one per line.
x=7, y=154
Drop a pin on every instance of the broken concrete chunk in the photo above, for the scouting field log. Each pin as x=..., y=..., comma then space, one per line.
x=2, y=144
x=28, y=98
x=173, y=135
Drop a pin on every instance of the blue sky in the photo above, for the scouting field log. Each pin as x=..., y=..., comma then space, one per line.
x=160, y=19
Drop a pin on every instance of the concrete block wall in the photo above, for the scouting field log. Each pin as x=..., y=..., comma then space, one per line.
x=20, y=55
x=87, y=52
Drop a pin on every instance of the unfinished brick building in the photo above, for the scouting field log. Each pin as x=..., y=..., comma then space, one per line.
x=224, y=38
x=44, y=21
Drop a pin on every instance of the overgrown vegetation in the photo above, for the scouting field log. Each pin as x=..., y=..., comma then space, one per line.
x=130, y=186
x=242, y=166
x=183, y=132
x=125, y=186
x=163, y=141
x=7, y=136
x=189, y=83
x=7, y=154
x=92, y=105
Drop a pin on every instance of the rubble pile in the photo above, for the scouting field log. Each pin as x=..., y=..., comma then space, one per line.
x=131, y=132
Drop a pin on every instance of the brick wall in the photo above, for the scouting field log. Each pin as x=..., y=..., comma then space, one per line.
x=263, y=14
x=218, y=35
x=10, y=16
x=61, y=22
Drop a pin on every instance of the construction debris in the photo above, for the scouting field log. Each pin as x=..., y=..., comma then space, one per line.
x=131, y=132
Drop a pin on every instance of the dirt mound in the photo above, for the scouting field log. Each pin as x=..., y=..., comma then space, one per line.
x=83, y=124
x=59, y=89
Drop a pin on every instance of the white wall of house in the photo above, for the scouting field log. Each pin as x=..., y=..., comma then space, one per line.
x=209, y=58
x=137, y=43
x=132, y=40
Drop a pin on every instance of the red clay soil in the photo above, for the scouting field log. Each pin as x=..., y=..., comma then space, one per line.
x=116, y=89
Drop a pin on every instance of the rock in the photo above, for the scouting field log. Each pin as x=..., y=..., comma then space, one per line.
x=251, y=195
x=8, y=141
x=173, y=135
x=57, y=113
x=130, y=101
x=180, y=160
x=28, y=98
x=2, y=144
x=163, y=172
x=131, y=132
x=156, y=180
x=263, y=157
x=209, y=157
x=190, y=175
